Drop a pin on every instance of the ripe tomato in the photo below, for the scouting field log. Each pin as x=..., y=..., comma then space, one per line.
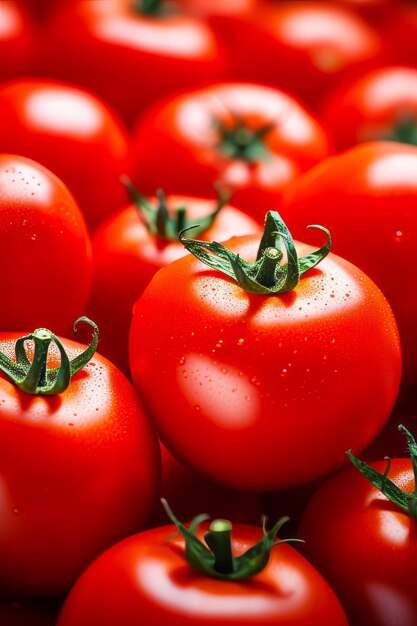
x=126, y=255
x=72, y=133
x=45, y=250
x=401, y=32
x=131, y=53
x=364, y=545
x=244, y=388
x=252, y=138
x=367, y=198
x=146, y=580
x=380, y=105
x=305, y=47
x=18, y=40
x=78, y=471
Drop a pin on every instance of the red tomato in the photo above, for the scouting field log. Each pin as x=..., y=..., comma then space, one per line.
x=367, y=199
x=126, y=256
x=129, y=57
x=78, y=470
x=18, y=40
x=380, y=105
x=252, y=138
x=364, y=545
x=145, y=580
x=245, y=389
x=401, y=32
x=45, y=250
x=306, y=47
x=72, y=133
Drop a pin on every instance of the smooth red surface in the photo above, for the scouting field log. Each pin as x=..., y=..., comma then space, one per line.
x=176, y=145
x=126, y=256
x=130, y=59
x=145, y=580
x=367, y=198
x=45, y=250
x=78, y=472
x=365, y=546
x=251, y=391
x=71, y=132
x=370, y=107
x=18, y=40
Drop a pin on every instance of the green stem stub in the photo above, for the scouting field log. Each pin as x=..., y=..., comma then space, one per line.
x=34, y=376
x=166, y=225
x=238, y=141
x=405, y=500
x=214, y=558
x=266, y=275
x=404, y=130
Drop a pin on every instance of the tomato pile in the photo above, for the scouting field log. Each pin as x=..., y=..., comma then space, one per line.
x=208, y=321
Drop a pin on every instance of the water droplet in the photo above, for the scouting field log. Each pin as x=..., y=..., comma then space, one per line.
x=34, y=236
x=25, y=222
x=182, y=360
x=398, y=235
x=17, y=510
x=70, y=424
x=240, y=341
x=197, y=407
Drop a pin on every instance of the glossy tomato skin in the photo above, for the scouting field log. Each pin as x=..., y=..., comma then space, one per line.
x=364, y=546
x=146, y=580
x=130, y=59
x=372, y=106
x=126, y=256
x=18, y=40
x=71, y=132
x=306, y=47
x=256, y=382
x=79, y=471
x=367, y=198
x=176, y=145
x=45, y=250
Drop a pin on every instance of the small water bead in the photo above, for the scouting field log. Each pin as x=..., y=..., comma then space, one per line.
x=240, y=342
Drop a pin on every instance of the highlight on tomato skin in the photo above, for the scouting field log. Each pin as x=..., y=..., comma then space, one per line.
x=79, y=470
x=251, y=384
x=145, y=579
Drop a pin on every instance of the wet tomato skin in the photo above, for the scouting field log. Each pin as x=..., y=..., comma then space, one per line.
x=260, y=377
x=78, y=470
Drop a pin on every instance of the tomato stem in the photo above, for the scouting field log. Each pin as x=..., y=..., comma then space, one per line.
x=238, y=141
x=159, y=222
x=148, y=7
x=34, y=376
x=218, y=539
x=404, y=131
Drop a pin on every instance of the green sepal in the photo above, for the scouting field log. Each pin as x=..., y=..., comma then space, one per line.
x=404, y=131
x=265, y=275
x=34, y=377
x=203, y=560
x=159, y=222
x=405, y=500
x=238, y=141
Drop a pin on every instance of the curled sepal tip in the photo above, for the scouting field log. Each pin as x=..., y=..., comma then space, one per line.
x=405, y=500
x=214, y=558
x=34, y=376
x=267, y=275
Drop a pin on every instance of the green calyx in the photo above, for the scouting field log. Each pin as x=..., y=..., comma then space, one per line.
x=266, y=275
x=149, y=7
x=214, y=558
x=238, y=141
x=34, y=376
x=403, y=131
x=405, y=500
x=159, y=222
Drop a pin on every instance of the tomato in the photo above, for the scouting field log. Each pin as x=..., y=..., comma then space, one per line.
x=72, y=133
x=367, y=198
x=306, y=47
x=78, y=472
x=18, y=40
x=380, y=105
x=127, y=253
x=252, y=138
x=244, y=388
x=146, y=580
x=45, y=250
x=131, y=53
x=365, y=546
x=401, y=31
